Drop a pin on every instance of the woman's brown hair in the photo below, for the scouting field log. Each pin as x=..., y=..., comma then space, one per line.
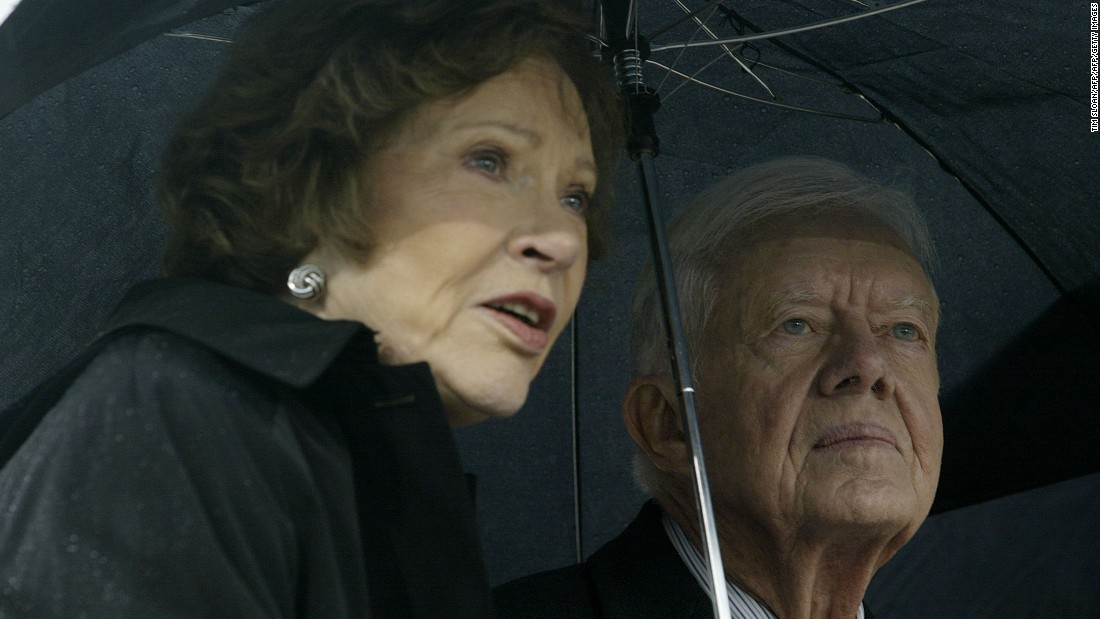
x=273, y=159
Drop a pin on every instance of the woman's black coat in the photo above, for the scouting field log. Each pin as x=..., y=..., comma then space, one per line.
x=219, y=453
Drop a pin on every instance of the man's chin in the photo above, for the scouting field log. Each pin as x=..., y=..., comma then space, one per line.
x=877, y=505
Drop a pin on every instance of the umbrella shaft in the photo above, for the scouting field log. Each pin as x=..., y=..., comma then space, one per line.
x=681, y=366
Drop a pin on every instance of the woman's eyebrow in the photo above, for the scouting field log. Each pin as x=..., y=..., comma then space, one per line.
x=532, y=136
x=586, y=164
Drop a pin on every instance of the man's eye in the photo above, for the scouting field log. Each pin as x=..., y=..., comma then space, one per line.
x=577, y=202
x=795, y=326
x=490, y=162
x=905, y=331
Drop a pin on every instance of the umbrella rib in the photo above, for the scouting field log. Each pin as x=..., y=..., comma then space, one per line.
x=631, y=19
x=196, y=35
x=787, y=31
x=688, y=79
x=839, y=84
x=725, y=48
x=765, y=101
x=699, y=27
x=797, y=75
x=592, y=38
x=691, y=14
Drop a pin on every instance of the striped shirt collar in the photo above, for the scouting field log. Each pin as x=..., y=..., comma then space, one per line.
x=742, y=605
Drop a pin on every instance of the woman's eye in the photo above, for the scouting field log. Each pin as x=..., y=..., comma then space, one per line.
x=490, y=162
x=795, y=326
x=577, y=202
x=905, y=331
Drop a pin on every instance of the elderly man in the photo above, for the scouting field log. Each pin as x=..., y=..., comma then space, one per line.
x=812, y=325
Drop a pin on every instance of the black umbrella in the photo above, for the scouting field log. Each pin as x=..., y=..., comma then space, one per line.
x=999, y=96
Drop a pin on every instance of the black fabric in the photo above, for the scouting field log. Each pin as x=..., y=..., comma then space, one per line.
x=45, y=41
x=1032, y=554
x=225, y=454
x=637, y=575
x=282, y=345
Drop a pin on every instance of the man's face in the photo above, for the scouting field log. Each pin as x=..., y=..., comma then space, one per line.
x=817, y=384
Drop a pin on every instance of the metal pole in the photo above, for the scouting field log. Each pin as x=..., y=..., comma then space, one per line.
x=627, y=51
x=681, y=366
x=578, y=491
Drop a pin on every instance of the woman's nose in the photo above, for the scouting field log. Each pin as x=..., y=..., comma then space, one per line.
x=550, y=241
x=857, y=364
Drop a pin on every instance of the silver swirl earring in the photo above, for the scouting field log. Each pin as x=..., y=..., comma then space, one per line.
x=306, y=282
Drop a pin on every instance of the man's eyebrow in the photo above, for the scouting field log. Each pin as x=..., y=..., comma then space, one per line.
x=793, y=296
x=910, y=301
x=804, y=295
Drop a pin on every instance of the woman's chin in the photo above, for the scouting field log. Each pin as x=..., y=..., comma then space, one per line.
x=466, y=407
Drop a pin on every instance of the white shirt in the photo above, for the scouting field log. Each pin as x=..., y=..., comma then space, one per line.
x=742, y=605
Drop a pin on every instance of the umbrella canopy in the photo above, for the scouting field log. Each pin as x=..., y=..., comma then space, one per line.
x=997, y=94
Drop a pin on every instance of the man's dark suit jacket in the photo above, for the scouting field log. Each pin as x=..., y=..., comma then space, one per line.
x=637, y=575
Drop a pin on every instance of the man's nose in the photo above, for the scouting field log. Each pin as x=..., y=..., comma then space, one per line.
x=857, y=364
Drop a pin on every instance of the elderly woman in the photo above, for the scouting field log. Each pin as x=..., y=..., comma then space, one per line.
x=381, y=217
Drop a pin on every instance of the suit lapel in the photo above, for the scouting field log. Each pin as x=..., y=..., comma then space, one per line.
x=639, y=574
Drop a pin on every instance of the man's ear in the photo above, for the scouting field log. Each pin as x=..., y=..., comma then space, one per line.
x=651, y=412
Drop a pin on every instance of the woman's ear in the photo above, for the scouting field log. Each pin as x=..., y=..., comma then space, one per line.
x=651, y=412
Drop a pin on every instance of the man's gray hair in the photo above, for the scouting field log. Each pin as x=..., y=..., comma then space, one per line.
x=708, y=230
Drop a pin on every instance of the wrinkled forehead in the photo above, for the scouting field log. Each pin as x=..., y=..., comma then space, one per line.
x=800, y=261
x=843, y=226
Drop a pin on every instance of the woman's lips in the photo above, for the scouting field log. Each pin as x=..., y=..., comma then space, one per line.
x=855, y=434
x=526, y=315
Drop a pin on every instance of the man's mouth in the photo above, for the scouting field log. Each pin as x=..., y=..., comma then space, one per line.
x=856, y=434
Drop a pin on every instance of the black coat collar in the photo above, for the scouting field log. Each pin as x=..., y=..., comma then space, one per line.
x=252, y=329
x=639, y=573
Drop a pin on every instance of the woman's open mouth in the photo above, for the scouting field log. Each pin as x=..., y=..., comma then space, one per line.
x=526, y=315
